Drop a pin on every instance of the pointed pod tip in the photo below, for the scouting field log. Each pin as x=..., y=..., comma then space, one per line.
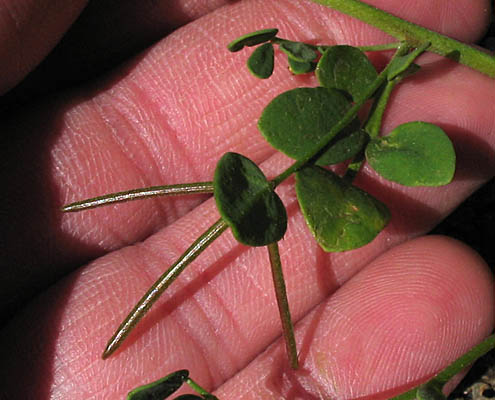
x=73, y=207
x=109, y=350
x=66, y=208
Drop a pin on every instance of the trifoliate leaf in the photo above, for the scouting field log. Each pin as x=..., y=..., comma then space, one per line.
x=296, y=120
x=346, y=68
x=413, y=154
x=252, y=39
x=161, y=388
x=247, y=202
x=298, y=51
x=261, y=61
x=340, y=216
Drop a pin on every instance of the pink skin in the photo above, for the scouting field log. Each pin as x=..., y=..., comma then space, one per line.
x=166, y=117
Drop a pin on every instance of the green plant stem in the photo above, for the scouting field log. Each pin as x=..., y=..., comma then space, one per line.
x=372, y=127
x=135, y=194
x=283, y=304
x=195, y=386
x=376, y=47
x=415, y=34
x=380, y=47
x=463, y=361
x=163, y=282
x=323, y=47
x=374, y=124
x=439, y=380
x=345, y=120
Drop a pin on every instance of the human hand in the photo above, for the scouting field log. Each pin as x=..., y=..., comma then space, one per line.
x=372, y=322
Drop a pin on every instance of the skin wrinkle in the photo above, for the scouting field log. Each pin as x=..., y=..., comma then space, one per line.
x=233, y=363
x=218, y=341
x=178, y=316
x=145, y=147
x=243, y=336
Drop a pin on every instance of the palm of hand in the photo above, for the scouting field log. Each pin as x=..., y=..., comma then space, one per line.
x=167, y=118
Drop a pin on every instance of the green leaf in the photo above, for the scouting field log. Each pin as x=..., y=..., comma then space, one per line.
x=414, y=154
x=252, y=39
x=348, y=145
x=402, y=64
x=261, y=62
x=189, y=397
x=294, y=121
x=298, y=67
x=340, y=216
x=161, y=388
x=247, y=202
x=298, y=51
x=346, y=68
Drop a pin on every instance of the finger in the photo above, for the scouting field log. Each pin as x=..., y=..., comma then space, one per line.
x=106, y=34
x=409, y=314
x=22, y=46
x=143, y=126
x=450, y=19
x=404, y=300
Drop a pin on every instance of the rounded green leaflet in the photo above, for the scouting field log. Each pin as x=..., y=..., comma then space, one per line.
x=346, y=68
x=347, y=145
x=340, y=216
x=414, y=154
x=298, y=51
x=298, y=67
x=161, y=388
x=261, y=61
x=294, y=121
x=247, y=202
x=252, y=39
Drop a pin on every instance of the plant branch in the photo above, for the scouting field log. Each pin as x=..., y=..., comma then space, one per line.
x=344, y=121
x=434, y=385
x=415, y=34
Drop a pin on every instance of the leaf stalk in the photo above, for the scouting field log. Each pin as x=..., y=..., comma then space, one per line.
x=283, y=304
